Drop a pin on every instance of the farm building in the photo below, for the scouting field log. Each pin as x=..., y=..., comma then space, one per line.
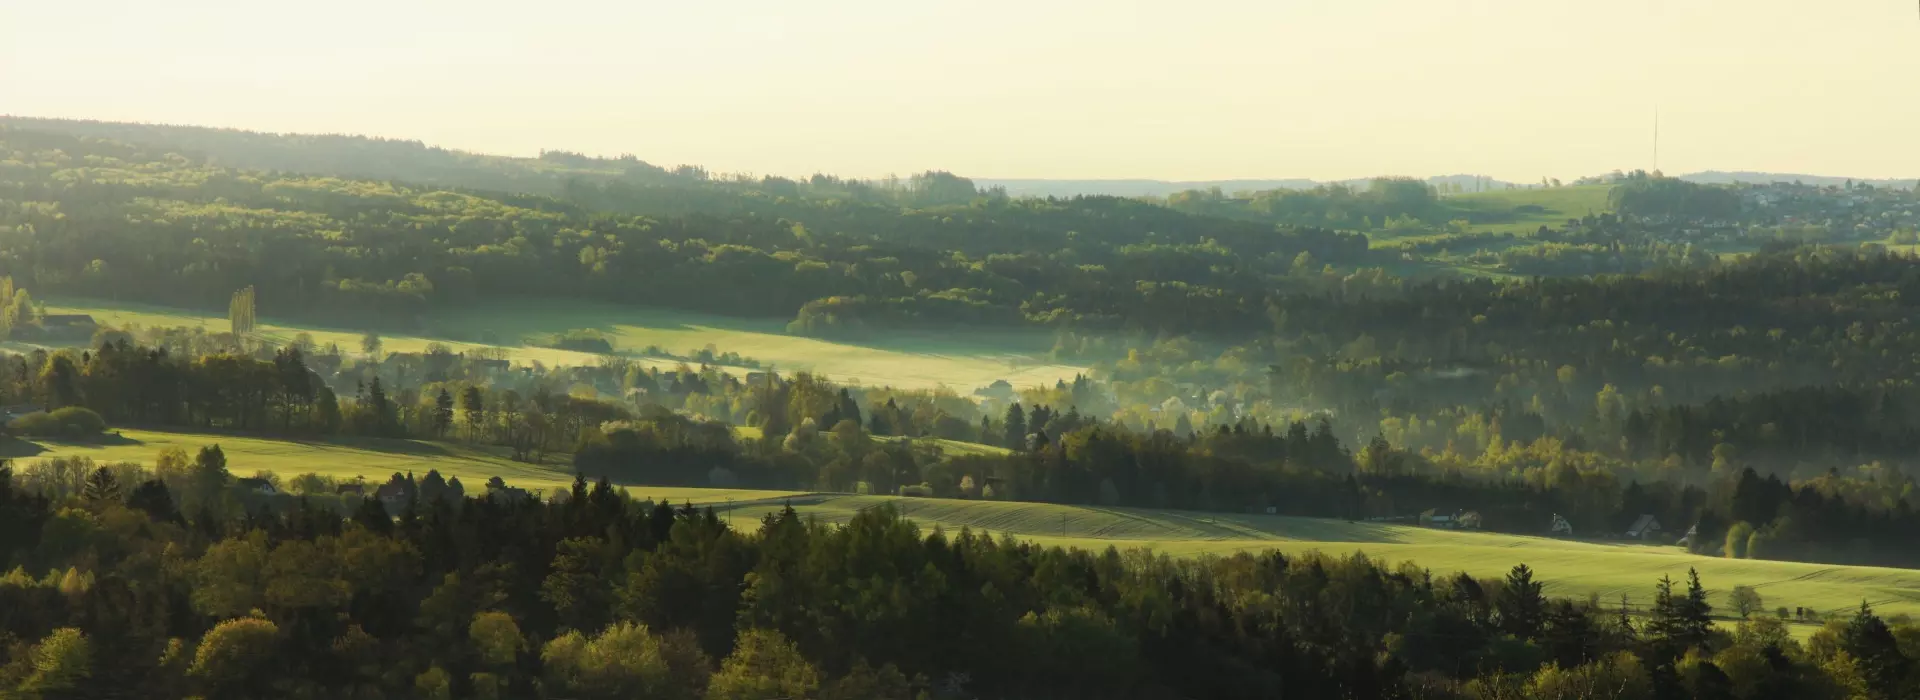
x=8, y=413
x=393, y=495
x=256, y=485
x=1560, y=527
x=1457, y=520
x=1644, y=527
x=490, y=366
x=1692, y=532
x=67, y=321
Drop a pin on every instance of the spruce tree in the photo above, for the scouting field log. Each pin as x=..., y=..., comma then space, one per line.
x=1873, y=645
x=1016, y=422
x=1522, y=608
x=1696, y=613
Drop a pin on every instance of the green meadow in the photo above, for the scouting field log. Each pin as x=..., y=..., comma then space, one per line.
x=1519, y=212
x=1525, y=211
x=905, y=360
x=1572, y=568
x=374, y=459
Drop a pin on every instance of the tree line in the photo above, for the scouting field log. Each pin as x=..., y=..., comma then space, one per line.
x=599, y=595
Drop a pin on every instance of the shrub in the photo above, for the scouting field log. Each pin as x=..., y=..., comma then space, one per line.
x=35, y=424
x=583, y=340
x=69, y=422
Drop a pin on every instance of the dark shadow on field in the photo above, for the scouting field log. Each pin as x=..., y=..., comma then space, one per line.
x=1235, y=526
x=389, y=446
x=528, y=318
x=15, y=448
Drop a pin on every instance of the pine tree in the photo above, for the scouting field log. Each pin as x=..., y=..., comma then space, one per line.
x=1663, y=625
x=1625, y=620
x=1016, y=423
x=849, y=409
x=102, y=487
x=1522, y=607
x=1697, y=613
x=1873, y=645
x=442, y=413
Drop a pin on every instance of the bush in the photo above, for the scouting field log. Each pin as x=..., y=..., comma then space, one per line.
x=35, y=424
x=80, y=421
x=69, y=422
x=582, y=340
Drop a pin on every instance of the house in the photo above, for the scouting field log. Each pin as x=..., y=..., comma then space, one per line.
x=392, y=495
x=324, y=364
x=1644, y=527
x=1000, y=390
x=68, y=321
x=256, y=485
x=1692, y=532
x=499, y=492
x=1458, y=520
x=1561, y=528
x=8, y=413
x=490, y=366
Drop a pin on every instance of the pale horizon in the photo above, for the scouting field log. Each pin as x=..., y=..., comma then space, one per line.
x=1213, y=90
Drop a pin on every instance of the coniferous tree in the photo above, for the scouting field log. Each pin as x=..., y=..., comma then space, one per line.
x=1876, y=650
x=1521, y=606
x=1016, y=428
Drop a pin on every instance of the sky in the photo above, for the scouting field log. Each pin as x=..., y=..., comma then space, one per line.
x=1193, y=90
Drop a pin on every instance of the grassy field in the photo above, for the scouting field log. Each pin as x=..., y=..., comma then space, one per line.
x=1525, y=211
x=374, y=459
x=1571, y=568
x=909, y=361
x=951, y=448
x=1520, y=212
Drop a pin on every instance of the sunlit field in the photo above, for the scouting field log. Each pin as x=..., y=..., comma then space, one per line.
x=1571, y=568
x=961, y=361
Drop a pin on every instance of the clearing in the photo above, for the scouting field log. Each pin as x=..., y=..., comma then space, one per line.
x=1570, y=568
x=906, y=360
x=1525, y=211
x=1519, y=212
x=345, y=458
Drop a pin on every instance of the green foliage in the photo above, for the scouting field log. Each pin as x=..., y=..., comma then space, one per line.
x=625, y=660
x=71, y=422
x=1745, y=601
x=61, y=663
x=763, y=666
x=496, y=637
x=235, y=656
x=1620, y=676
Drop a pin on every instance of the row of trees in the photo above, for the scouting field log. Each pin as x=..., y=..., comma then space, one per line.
x=600, y=596
x=816, y=435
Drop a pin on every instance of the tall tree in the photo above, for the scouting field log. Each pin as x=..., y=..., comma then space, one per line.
x=1874, y=647
x=1521, y=606
x=1016, y=428
x=442, y=413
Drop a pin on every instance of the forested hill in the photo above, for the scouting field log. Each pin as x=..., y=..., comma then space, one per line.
x=97, y=217
x=357, y=156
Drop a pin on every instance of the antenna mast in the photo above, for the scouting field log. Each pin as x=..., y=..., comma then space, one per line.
x=1656, y=138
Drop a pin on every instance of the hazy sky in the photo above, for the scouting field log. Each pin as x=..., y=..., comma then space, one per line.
x=1200, y=89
